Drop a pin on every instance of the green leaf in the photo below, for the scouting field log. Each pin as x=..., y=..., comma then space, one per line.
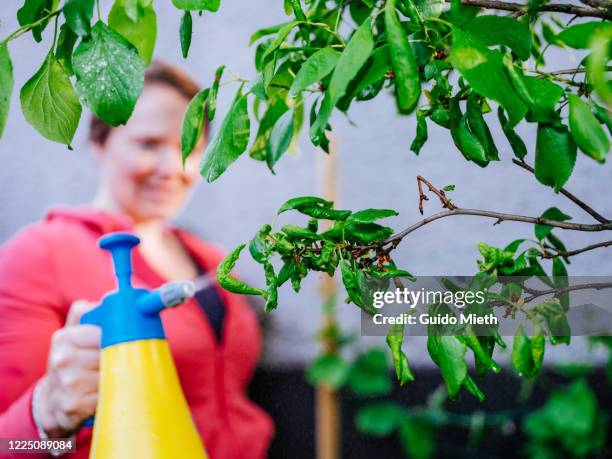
x=289, y=271
x=603, y=115
x=368, y=233
x=352, y=59
x=50, y=103
x=265, y=32
x=328, y=369
x=586, y=130
x=516, y=143
x=280, y=38
x=407, y=82
x=521, y=354
x=258, y=247
x=229, y=282
x=303, y=202
x=597, y=64
x=212, y=99
x=197, y=5
x=141, y=34
x=280, y=138
x=395, y=338
x=297, y=232
x=430, y=8
x=185, y=33
x=484, y=71
x=6, y=84
x=538, y=347
x=229, y=142
x=369, y=374
x=555, y=155
x=193, y=123
x=559, y=272
x=501, y=30
x=110, y=74
x=418, y=438
x=369, y=77
x=579, y=36
x=271, y=295
x=544, y=95
x=65, y=46
x=351, y=278
x=541, y=231
x=326, y=214
x=316, y=67
x=78, y=14
x=274, y=111
x=370, y=215
x=380, y=418
x=421, y=133
x=34, y=10
x=471, y=147
x=461, y=13
x=131, y=9
x=556, y=319
x=482, y=346
x=479, y=127
x=449, y=354
x=393, y=273
x=570, y=420
x=297, y=10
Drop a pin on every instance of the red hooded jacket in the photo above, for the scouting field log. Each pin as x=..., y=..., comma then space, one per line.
x=48, y=265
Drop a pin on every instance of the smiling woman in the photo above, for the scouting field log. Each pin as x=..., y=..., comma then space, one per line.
x=141, y=170
x=49, y=363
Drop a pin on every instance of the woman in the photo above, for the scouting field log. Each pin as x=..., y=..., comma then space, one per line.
x=53, y=271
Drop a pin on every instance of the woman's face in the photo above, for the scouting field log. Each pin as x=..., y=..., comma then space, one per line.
x=141, y=162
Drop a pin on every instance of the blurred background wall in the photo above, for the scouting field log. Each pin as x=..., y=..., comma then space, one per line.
x=376, y=169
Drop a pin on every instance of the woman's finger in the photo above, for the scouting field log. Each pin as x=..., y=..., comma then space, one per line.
x=77, y=309
x=67, y=356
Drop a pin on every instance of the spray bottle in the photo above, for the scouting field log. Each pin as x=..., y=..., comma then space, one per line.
x=142, y=411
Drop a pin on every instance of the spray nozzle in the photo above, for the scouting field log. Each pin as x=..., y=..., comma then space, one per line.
x=167, y=296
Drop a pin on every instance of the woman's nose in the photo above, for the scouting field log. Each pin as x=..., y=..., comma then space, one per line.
x=169, y=162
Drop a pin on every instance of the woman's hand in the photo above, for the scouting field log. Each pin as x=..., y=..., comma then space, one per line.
x=68, y=393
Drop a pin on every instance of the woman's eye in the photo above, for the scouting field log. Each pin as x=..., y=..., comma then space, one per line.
x=148, y=144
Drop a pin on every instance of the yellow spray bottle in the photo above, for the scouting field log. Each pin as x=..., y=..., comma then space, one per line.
x=142, y=411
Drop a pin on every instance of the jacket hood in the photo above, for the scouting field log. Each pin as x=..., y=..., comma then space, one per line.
x=96, y=219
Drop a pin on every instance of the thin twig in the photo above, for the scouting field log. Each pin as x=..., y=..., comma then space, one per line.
x=573, y=71
x=26, y=28
x=446, y=203
x=553, y=7
x=571, y=253
x=584, y=206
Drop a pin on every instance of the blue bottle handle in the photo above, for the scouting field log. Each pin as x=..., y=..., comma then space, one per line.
x=120, y=246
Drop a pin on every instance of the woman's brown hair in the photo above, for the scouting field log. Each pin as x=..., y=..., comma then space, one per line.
x=157, y=73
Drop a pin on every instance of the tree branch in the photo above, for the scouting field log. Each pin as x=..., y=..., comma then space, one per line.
x=574, y=10
x=499, y=217
x=596, y=3
x=596, y=215
x=571, y=253
x=559, y=291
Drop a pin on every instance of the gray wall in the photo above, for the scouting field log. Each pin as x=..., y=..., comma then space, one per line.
x=376, y=170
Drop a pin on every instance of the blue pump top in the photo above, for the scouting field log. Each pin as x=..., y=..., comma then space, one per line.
x=128, y=313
